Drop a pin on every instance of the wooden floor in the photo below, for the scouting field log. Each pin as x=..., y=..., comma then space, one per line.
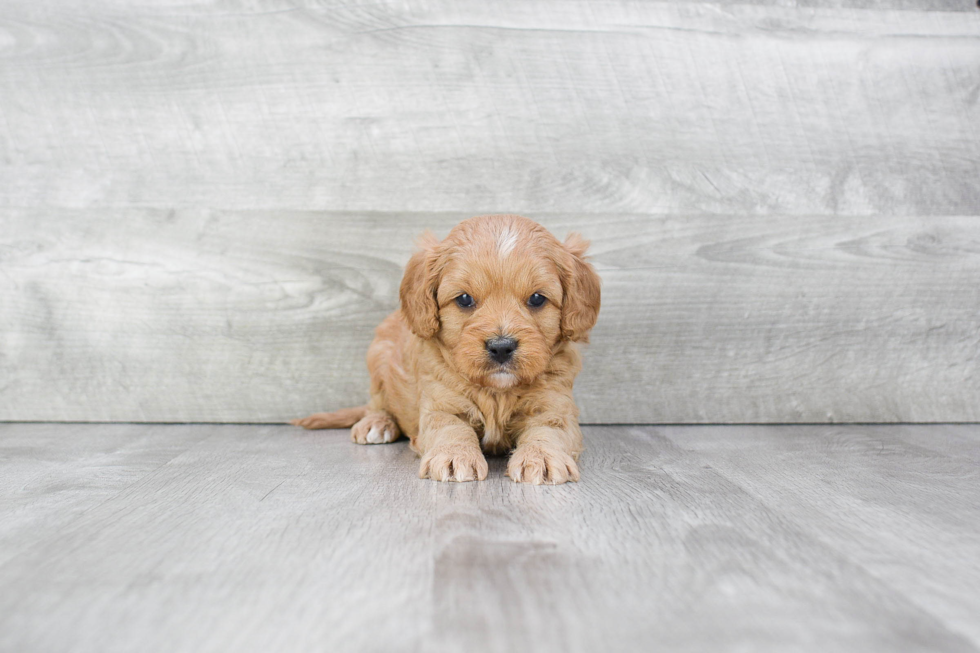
x=267, y=538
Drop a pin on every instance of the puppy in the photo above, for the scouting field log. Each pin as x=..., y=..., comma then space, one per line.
x=482, y=354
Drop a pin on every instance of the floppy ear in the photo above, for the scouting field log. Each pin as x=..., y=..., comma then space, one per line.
x=580, y=306
x=418, y=289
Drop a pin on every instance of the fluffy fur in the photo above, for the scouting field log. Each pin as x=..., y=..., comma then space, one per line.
x=433, y=379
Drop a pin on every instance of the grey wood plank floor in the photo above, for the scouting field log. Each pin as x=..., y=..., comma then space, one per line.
x=229, y=537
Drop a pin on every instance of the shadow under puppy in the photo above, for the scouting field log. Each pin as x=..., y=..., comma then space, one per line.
x=482, y=354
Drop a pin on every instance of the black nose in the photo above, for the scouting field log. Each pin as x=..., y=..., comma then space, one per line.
x=501, y=349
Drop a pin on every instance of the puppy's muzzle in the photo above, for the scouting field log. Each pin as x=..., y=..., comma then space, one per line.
x=501, y=349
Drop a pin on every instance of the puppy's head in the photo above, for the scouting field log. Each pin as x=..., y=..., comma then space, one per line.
x=499, y=294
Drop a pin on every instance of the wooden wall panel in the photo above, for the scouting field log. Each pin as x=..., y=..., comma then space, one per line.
x=479, y=107
x=260, y=316
x=204, y=206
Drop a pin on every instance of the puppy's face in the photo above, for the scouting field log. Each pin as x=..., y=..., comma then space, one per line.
x=500, y=315
x=499, y=294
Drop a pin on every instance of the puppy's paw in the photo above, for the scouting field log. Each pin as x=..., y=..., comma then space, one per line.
x=454, y=463
x=375, y=428
x=535, y=464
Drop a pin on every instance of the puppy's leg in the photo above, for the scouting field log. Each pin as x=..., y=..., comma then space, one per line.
x=548, y=445
x=377, y=427
x=450, y=449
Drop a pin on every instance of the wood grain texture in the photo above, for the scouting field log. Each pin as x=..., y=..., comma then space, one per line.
x=52, y=474
x=680, y=538
x=467, y=106
x=204, y=208
x=931, y=557
x=255, y=316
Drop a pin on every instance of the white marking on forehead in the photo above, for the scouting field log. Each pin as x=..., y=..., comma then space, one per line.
x=506, y=240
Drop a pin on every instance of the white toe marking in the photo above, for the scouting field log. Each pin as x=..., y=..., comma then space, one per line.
x=375, y=436
x=389, y=435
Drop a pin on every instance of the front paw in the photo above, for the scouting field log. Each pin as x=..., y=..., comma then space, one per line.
x=537, y=465
x=455, y=463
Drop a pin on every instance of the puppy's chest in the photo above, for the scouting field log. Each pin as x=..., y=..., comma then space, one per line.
x=496, y=420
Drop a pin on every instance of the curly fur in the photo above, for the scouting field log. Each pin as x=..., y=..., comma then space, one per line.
x=432, y=378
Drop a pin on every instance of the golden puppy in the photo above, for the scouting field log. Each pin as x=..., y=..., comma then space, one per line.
x=482, y=354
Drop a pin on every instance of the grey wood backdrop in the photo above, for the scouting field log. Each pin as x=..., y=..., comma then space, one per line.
x=205, y=206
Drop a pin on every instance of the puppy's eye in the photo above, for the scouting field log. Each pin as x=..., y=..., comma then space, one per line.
x=465, y=301
x=536, y=300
